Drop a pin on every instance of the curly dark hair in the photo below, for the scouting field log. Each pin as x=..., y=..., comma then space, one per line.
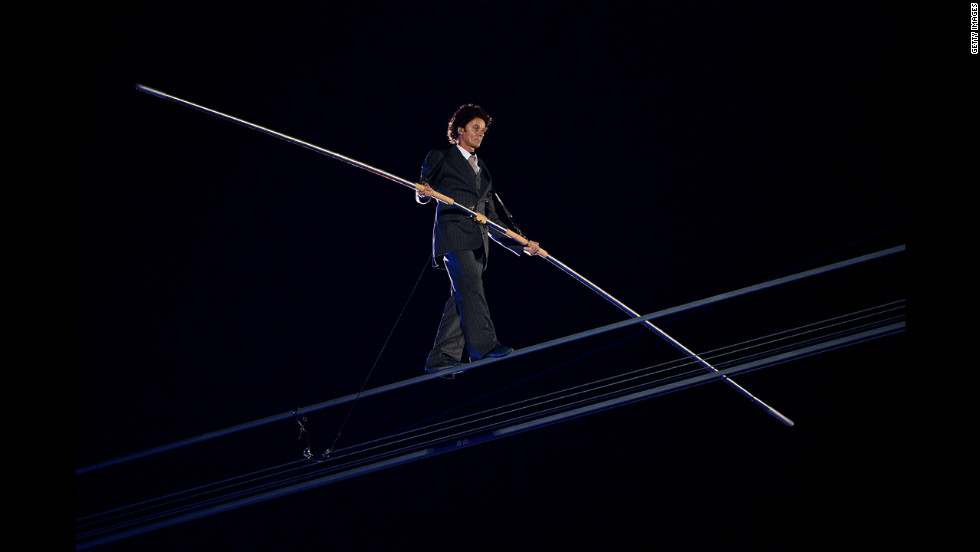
x=462, y=117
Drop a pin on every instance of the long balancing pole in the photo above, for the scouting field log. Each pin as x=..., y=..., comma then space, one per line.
x=482, y=220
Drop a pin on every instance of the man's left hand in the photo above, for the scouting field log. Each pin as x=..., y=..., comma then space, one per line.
x=532, y=247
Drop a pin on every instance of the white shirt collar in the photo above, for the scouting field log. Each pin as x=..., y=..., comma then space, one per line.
x=466, y=154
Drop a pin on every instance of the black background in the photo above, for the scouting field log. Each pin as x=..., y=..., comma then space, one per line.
x=666, y=151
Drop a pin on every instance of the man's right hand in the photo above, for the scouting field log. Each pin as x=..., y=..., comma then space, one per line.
x=423, y=195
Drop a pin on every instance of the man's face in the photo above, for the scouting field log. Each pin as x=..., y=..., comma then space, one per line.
x=472, y=134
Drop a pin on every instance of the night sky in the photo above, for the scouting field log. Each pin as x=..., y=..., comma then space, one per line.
x=667, y=151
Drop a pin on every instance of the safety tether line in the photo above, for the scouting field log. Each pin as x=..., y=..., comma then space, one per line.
x=333, y=445
x=483, y=362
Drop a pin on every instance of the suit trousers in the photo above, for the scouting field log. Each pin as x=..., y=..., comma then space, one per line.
x=465, y=320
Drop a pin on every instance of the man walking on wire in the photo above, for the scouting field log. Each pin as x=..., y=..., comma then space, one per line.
x=460, y=245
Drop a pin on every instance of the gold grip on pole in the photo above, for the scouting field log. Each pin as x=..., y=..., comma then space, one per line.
x=520, y=239
x=443, y=198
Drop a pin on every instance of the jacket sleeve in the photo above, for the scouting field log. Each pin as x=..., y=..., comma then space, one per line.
x=429, y=169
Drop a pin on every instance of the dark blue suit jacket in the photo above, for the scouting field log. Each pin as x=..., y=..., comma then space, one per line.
x=453, y=228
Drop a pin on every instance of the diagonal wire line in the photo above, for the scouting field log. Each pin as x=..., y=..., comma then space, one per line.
x=473, y=365
x=461, y=439
x=518, y=414
x=608, y=383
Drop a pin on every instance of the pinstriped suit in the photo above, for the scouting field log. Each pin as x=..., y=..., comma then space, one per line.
x=461, y=246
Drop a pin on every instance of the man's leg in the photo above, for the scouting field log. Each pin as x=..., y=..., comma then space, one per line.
x=466, y=273
x=448, y=345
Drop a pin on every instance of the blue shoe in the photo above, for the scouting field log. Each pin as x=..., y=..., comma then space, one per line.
x=444, y=366
x=500, y=351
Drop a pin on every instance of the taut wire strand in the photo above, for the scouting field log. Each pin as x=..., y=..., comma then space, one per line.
x=175, y=510
x=526, y=350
